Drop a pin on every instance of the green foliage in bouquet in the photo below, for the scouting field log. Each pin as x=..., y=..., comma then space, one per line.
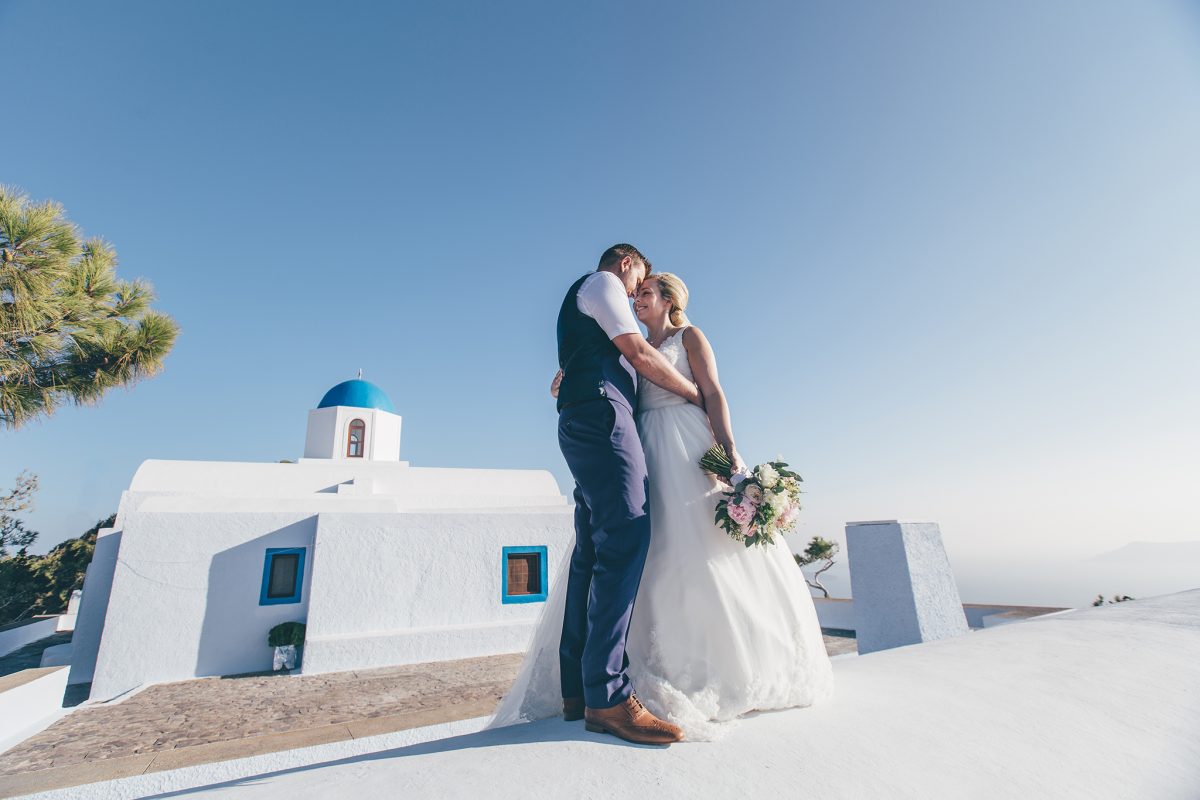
x=717, y=461
x=286, y=633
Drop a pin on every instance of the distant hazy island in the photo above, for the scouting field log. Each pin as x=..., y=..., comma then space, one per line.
x=1160, y=552
x=1137, y=569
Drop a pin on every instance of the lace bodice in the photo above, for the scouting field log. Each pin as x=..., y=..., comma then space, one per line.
x=651, y=396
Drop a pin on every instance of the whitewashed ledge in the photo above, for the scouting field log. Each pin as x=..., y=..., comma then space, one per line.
x=1097, y=703
x=16, y=636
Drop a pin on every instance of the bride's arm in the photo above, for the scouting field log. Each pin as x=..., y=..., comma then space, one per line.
x=704, y=370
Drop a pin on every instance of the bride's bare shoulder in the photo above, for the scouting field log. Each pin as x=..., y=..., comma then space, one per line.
x=694, y=339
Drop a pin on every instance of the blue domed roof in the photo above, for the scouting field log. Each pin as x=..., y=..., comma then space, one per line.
x=357, y=394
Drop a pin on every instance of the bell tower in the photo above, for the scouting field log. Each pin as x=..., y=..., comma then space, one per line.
x=355, y=421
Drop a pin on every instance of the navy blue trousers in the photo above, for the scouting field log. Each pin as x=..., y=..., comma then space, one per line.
x=612, y=533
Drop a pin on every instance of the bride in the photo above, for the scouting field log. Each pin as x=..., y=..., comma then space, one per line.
x=718, y=629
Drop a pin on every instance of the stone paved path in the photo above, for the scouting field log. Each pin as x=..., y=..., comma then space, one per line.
x=840, y=645
x=178, y=715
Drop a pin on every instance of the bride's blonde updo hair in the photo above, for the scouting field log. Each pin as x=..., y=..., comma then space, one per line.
x=674, y=292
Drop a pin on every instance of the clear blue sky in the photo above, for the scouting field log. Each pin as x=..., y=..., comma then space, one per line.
x=947, y=252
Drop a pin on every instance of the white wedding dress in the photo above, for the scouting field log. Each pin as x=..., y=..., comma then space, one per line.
x=718, y=629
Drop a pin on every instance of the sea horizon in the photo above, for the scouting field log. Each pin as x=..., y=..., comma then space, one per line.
x=1057, y=582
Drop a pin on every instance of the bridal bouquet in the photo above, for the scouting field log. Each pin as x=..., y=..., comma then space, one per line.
x=761, y=504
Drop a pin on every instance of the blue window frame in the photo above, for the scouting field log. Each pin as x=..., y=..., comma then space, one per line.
x=283, y=576
x=524, y=574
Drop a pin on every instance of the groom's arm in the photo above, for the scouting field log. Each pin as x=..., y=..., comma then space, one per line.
x=602, y=297
x=654, y=367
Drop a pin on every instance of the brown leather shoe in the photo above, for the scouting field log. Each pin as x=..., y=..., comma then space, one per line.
x=572, y=709
x=632, y=722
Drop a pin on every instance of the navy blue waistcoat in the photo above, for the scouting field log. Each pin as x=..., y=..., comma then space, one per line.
x=589, y=360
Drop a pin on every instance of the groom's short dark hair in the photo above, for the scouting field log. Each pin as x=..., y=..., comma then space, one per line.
x=618, y=251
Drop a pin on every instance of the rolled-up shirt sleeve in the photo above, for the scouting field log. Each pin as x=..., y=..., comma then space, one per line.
x=602, y=297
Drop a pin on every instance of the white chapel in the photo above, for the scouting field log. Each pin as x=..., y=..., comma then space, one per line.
x=385, y=563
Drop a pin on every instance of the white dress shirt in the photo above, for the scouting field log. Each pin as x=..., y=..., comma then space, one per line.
x=603, y=298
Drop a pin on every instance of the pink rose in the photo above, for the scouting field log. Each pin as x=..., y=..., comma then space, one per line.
x=789, y=517
x=742, y=512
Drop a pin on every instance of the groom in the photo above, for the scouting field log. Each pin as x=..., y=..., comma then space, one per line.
x=600, y=442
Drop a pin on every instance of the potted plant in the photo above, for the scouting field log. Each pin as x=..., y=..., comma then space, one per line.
x=286, y=637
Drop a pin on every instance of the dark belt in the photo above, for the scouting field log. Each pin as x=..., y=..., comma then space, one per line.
x=575, y=403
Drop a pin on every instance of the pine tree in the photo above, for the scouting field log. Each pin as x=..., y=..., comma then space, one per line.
x=38, y=584
x=70, y=330
x=64, y=567
x=21, y=584
x=13, y=533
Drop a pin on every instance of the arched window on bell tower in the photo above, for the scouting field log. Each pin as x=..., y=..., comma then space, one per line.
x=355, y=439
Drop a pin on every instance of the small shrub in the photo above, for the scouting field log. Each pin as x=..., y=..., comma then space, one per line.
x=1117, y=598
x=286, y=633
x=818, y=550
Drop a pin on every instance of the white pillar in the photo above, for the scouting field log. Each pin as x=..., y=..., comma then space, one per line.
x=903, y=589
x=93, y=606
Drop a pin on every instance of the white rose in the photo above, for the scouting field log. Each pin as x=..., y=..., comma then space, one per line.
x=767, y=476
x=779, y=502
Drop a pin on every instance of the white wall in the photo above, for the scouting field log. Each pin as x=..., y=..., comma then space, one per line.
x=182, y=600
x=57, y=656
x=16, y=638
x=24, y=708
x=321, y=437
x=379, y=589
x=835, y=613
x=384, y=440
x=903, y=588
x=329, y=429
x=411, y=588
x=185, y=597
x=412, y=487
x=66, y=622
x=97, y=584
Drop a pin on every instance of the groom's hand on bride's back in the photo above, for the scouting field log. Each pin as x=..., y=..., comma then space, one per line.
x=654, y=367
